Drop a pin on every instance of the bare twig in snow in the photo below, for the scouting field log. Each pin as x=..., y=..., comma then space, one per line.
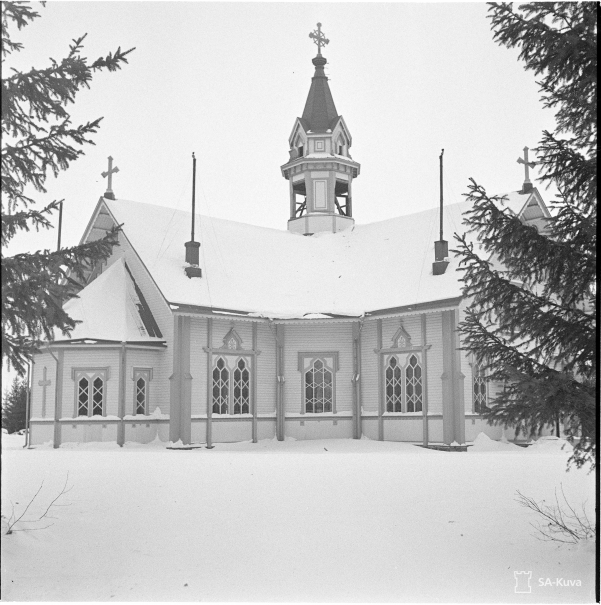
x=561, y=522
x=12, y=521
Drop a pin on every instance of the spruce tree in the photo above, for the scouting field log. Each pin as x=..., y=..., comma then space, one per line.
x=531, y=317
x=14, y=405
x=38, y=138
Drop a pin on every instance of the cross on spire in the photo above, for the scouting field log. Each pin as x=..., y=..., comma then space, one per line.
x=527, y=165
x=319, y=39
x=109, y=190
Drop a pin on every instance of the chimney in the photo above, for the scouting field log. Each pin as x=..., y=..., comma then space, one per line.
x=441, y=247
x=193, y=247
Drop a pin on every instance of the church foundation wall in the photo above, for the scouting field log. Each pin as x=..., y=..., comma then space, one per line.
x=265, y=429
x=369, y=427
x=399, y=428
x=326, y=428
x=145, y=432
x=40, y=432
x=231, y=431
x=83, y=432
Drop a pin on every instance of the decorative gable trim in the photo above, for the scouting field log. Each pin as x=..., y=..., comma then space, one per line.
x=401, y=339
x=232, y=341
x=298, y=126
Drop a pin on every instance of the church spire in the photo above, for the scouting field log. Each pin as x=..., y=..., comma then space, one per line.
x=320, y=169
x=320, y=112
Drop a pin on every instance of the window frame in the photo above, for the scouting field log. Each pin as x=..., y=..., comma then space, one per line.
x=234, y=356
x=476, y=369
x=146, y=374
x=91, y=374
x=403, y=359
x=330, y=360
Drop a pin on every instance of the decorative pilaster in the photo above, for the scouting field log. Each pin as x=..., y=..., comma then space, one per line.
x=181, y=385
x=425, y=436
x=357, y=430
x=209, y=383
x=58, y=398
x=122, y=383
x=459, y=398
x=254, y=383
x=453, y=413
x=280, y=380
x=380, y=383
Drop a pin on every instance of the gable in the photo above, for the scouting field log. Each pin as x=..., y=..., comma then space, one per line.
x=112, y=308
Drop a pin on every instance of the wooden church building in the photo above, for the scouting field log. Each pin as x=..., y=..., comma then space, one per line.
x=181, y=341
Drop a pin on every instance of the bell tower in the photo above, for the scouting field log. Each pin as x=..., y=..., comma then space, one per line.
x=320, y=170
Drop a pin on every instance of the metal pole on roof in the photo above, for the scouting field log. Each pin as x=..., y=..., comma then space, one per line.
x=193, y=192
x=60, y=224
x=441, y=194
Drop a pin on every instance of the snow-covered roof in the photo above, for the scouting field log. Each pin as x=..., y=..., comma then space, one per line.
x=112, y=308
x=285, y=275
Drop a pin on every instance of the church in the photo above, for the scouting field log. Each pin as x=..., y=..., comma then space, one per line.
x=199, y=331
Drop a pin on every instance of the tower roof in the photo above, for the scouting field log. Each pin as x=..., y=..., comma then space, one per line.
x=320, y=112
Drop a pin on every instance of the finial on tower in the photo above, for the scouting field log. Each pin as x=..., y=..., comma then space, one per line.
x=527, y=182
x=319, y=39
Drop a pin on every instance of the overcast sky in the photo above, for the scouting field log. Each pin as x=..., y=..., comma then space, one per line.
x=227, y=80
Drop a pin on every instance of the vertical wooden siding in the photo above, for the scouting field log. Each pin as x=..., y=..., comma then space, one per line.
x=90, y=358
x=369, y=367
x=316, y=338
x=266, y=383
x=41, y=360
x=159, y=385
x=434, y=338
x=198, y=365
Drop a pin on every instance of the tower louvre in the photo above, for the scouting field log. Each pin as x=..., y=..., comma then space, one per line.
x=320, y=170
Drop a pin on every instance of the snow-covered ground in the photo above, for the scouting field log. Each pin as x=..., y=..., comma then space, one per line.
x=322, y=521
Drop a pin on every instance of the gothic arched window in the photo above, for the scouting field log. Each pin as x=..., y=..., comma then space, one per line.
x=221, y=387
x=319, y=388
x=241, y=388
x=479, y=388
x=90, y=391
x=394, y=381
x=413, y=385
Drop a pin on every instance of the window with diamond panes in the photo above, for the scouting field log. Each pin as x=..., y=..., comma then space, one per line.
x=97, y=396
x=413, y=385
x=319, y=388
x=241, y=388
x=394, y=381
x=83, y=396
x=221, y=387
x=141, y=395
x=479, y=388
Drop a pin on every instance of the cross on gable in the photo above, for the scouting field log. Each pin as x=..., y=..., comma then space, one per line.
x=527, y=165
x=109, y=190
x=318, y=37
x=44, y=383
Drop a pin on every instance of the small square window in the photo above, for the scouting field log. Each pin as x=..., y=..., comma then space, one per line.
x=319, y=145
